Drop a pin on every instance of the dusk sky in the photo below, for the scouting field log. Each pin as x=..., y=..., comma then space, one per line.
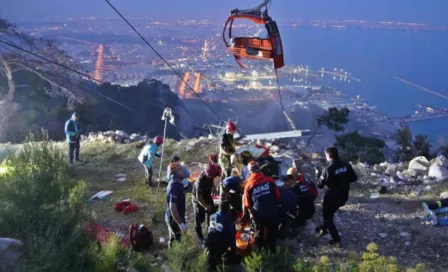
x=425, y=11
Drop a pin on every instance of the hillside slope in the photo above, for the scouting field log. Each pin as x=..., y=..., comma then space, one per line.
x=394, y=221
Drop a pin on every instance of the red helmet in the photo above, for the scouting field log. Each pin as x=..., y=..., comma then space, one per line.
x=231, y=127
x=158, y=140
x=213, y=158
x=213, y=170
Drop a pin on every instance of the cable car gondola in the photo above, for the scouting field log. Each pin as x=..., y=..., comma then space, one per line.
x=255, y=47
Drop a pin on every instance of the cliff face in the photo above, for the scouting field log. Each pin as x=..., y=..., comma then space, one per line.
x=35, y=109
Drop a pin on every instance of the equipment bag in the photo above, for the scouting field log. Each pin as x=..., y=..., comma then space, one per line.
x=141, y=237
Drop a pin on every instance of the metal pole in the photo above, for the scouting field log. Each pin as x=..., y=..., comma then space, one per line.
x=164, y=117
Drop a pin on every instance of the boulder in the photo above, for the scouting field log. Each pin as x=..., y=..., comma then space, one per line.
x=402, y=177
x=412, y=172
x=121, y=135
x=419, y=164
x=441, y=161
x=438, y=172
x=391, y=170
x=10, y=253
x=378, y=168
x=444, y=195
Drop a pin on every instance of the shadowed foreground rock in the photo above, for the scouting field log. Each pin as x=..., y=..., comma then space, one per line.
x=10, y=252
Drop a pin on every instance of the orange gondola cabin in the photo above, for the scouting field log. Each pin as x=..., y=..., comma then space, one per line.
x=254, y=47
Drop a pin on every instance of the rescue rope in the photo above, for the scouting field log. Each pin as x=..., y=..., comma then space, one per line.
x=162, y=58
x=7, y=42
x=280, y=100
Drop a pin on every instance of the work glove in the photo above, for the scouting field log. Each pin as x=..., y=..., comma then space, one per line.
x=183, y=227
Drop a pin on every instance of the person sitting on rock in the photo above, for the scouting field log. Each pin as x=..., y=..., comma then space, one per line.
x=187, y=174
x=203, y=205
x=147, y=156
x=305, y=195
x=221, y=236
x=231, y=191
x=261, y=197
x=337, y=178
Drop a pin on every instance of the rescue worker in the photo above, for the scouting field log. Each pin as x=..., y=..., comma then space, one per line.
x=231, y=192
x=306, y=192
x=337, y=178
x=261, y=197
x=175, y=199
x=246, y=157
x=73, y=131
x=221, y=236
x=147, y=156
x=176, y=159
x=227, y=149
x=203, y=205
x=287, y=211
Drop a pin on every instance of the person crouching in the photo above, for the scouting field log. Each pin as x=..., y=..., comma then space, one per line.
x=261, y=198
x=220, y=237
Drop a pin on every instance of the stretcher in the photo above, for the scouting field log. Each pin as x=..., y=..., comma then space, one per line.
x=245, y=240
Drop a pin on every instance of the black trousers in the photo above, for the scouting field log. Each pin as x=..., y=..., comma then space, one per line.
x=174, y=232
x=266, y=232
x=200, y=216
x=73, y=151
x=305, y=213
x=330, y=206
x=148, y=175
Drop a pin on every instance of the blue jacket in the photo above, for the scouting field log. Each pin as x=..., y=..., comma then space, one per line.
x=151, y=152
x=222, y=230
x=72, y=130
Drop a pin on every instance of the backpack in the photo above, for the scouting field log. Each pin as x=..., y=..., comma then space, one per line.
x=140, y=237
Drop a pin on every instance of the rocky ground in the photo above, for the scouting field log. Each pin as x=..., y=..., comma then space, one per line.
x=384, y=207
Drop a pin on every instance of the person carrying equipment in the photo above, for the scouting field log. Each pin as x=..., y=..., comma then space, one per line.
x=227, y=149
x=176, y=159
x=147, y=156
x=175, y=199
x=337, y=178
x=306, y=192
x=231, y=192
x=203, y=205
x=221, y=236
x=261, y=197
x=287, y=211
x=73, y=131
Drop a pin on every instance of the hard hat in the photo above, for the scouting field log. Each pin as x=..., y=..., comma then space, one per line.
x=291, y=171
x=213, y=170
x=253, y=166
x=158, y=140
x=231, y=127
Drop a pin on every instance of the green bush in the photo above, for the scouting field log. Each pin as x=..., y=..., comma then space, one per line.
x=262, y=260
x=358, y=148
x=41, y=207
x=186, y=256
